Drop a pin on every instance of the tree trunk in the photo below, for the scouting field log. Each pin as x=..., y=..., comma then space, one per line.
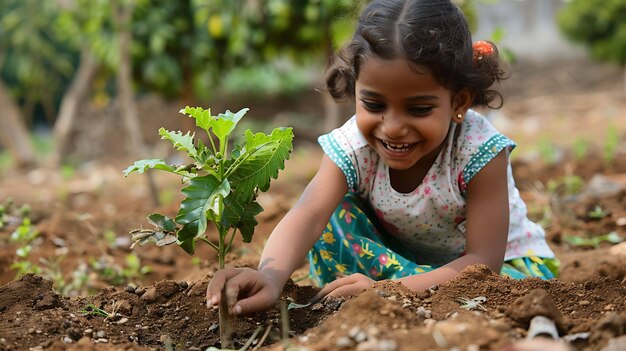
x=13, y=133
x=122, y=15
x=76, y=94
x=125, y=96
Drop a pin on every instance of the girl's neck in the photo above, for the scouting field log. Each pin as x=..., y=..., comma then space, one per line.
x=407, y=180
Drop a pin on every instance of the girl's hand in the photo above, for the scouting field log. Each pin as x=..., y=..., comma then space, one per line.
x=258, y=291
x=346, y=286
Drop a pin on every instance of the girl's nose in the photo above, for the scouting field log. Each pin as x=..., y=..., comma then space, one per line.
x=394, y=127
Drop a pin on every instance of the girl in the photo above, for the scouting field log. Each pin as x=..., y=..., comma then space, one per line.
x=416, y=186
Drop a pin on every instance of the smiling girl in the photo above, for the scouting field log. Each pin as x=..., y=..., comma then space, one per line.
x=417, y=185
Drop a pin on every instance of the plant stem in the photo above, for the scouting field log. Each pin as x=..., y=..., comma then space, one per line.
x=225, y=328
x=210, y=243
x=232, y=237
x=226, y=334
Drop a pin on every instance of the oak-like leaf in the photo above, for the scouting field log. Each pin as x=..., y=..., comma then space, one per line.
x=203, y=194
x=267, y=156
x=203, y=117
x=142, y=165
x=182, y=142
x=240, y=210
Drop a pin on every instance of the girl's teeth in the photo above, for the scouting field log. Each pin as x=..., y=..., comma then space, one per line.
x=397, y=147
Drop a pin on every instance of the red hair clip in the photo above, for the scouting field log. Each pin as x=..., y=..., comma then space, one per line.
x=481, y=49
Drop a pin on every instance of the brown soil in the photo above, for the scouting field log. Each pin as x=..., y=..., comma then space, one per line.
x=83, y=221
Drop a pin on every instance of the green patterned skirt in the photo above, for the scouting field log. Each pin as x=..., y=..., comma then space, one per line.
x=351, y=244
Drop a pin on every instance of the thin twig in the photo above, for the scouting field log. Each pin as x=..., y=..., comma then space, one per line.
x=284, y=321
x=266, y=333
x=251, y=340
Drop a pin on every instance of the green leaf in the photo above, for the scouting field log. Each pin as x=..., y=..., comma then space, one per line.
x=203, y=195
x=188, y=245
x=141, y=166
x=226, y=123
x=181, y=142
x=267, y=155
x=203, y=117
x=240, y=210
x=221, y=125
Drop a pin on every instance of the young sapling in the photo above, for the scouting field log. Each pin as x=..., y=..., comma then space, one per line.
x=221, y=186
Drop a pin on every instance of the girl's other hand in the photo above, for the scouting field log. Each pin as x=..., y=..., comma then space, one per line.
x=257, y=291
x=346, y=286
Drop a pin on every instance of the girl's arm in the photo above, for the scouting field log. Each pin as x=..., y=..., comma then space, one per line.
x=296, y=233
x=487, y=229
x=286, y=248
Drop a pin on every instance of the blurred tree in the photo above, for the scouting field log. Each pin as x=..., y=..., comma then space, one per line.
x=33, y=66
x=599, y=24
x=13, y=132
x=35, y=62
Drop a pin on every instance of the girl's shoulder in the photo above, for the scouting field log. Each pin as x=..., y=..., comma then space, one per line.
x=477, y=132
x=348, y=133
x=477, y=143
x=349, y=150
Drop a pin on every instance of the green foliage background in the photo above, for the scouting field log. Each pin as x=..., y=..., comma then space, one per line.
x=599, y=24
x=189, y=49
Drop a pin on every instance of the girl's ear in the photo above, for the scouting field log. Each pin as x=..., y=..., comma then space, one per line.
x=461, y=103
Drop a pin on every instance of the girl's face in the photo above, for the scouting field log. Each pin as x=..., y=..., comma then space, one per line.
x=404, y=115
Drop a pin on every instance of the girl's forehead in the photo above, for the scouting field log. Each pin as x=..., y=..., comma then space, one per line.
x=396, y=73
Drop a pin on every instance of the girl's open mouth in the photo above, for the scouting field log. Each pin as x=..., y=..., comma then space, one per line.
x=397, y=147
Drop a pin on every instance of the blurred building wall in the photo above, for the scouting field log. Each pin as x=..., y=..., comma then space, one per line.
x=530, y=27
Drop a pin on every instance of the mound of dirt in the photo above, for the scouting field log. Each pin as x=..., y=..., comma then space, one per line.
x=388, y=316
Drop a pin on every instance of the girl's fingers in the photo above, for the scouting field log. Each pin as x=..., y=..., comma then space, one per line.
x=346, y=290
x=216, y=285
x=254, y=303
x=332, y=286
x=246, y=283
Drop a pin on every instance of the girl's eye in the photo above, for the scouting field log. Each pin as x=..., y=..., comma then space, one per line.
x=373, y=106
x=421, y=110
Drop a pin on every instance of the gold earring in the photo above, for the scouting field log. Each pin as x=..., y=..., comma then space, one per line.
x=459, y=116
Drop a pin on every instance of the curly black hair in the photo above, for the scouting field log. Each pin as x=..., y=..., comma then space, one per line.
x=432, y=35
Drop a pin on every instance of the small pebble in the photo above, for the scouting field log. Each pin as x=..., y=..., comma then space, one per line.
x=317, y=306
x=373, y=331
x=67, y=340
x=423, y=313
x=344, y=342
x=387, y=345
x=100, y=334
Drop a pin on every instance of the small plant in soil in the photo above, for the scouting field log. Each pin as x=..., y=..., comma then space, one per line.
x=597, y=213
x=24, y=235
x=593, y=242
x=221, y=186
x=11, y=215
